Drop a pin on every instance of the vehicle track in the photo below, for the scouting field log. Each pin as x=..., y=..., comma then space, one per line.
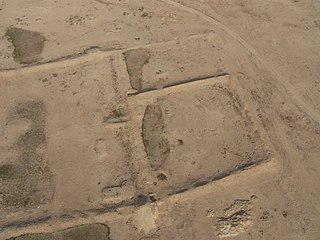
x=294, y=95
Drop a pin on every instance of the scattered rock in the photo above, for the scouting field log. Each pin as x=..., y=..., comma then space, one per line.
x=236, y=219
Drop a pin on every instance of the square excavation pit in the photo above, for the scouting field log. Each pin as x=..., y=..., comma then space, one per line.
x=197, y=133
x=62, y=145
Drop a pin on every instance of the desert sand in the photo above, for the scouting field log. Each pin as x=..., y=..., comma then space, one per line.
x=167, y=119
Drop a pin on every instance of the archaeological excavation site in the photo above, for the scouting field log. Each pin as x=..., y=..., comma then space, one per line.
x=160, y=120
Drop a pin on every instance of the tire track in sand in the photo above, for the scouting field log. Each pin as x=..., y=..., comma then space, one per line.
x=293, y=94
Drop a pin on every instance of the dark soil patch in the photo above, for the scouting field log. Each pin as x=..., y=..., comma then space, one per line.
x=85, y=232
x=29, y=180
x=135, y=60
x=155, y=142
x=5, y=171
x=28, y=45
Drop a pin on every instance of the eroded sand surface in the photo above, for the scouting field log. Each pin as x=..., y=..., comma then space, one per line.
x=184, y=119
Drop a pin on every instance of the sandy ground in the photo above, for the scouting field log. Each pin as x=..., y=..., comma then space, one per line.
x=184, y=119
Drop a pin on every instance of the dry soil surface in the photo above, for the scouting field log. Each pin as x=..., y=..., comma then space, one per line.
x=159, y=119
